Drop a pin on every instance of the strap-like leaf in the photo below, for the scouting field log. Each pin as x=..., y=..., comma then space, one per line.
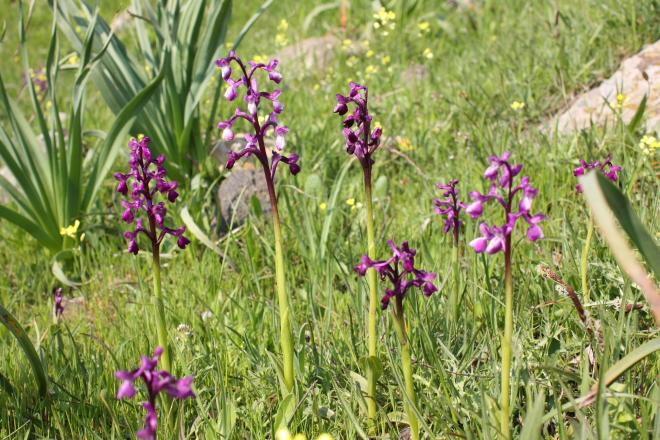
x=23, y=340
x=201, y=236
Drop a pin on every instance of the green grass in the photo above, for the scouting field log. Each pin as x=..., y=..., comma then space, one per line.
x=485, y=57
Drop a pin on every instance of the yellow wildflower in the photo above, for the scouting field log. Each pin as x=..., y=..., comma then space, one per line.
x=147, y=68
x=386, y=59
x=424, y=27
x=78, y=29
x=351, y=61
x=621, y=100
x=283, y=26
x=70, y=230
x=350, y=202
x=16, y=58
x=317, y=86
x=518, y=105
x=283, y=434
x=405, y=144
x=427, y=53
x=323, y=206
x=366, y=43
x=281, y=40
x=49, y=104
x=260, y=59
x=229, y=44
x=376, y=25
x=370, y=53
x=346, y=44
x=356, y=206
x=300, y=437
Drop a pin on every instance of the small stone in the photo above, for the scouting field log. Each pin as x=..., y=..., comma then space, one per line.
x=637, y=76
x=235, y=194
x=405, y=434
x=415, y=73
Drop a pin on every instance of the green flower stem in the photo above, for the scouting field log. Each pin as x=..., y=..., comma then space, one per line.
x=286, y=330
x=585, y=260
x=507, y=343
x=455, y=292
x=372, y=277
x=406, y=363
x=161, y=321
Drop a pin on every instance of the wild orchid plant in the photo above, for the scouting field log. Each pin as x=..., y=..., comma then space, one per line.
x=59, y=308
x=451, y=207
x=256, y=146
x=610, y=173
x=154, y=381
x=498, y=238
x=403, y=277
x=363, y=141
x=145, y=169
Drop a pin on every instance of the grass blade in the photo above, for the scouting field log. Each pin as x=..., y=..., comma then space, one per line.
x=15, y=328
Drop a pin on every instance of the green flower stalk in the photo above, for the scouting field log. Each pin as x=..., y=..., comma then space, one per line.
x=257, y=146
x=146, y=169
x=399, y=270
x=362, y=142
x=498, y=238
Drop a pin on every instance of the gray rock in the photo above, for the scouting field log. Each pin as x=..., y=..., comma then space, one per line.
x=405, y=434
x=314, y=52
x=235, y=194
x=416, y=72
x=637, y=76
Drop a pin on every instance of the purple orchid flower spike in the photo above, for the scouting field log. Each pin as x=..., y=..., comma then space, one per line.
x=253, y=98
x=610, y=172
x=361, y=140
x=59, y=308
x=498, y=238
x=154, y=381
x=399, y=276
x=451, y=207
x=502, y=174
x=146, y=169
x=256, y=146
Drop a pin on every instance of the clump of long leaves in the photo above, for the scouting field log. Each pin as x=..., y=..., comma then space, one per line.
x=189, y=36
x=57, y=180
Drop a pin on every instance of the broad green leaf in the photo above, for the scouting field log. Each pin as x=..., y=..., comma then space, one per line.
x=630, y=222
x=201, y=236
x=57, y=268
x=595, y=187
x=285, y=412
x=373, y=364
x=23, y=340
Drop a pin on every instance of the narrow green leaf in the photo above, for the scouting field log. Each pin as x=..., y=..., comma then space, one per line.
x=639, y=114
x=630, y=222
x=23, y=340
x=201, y=236
x=349, y=411
x=30, y=227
